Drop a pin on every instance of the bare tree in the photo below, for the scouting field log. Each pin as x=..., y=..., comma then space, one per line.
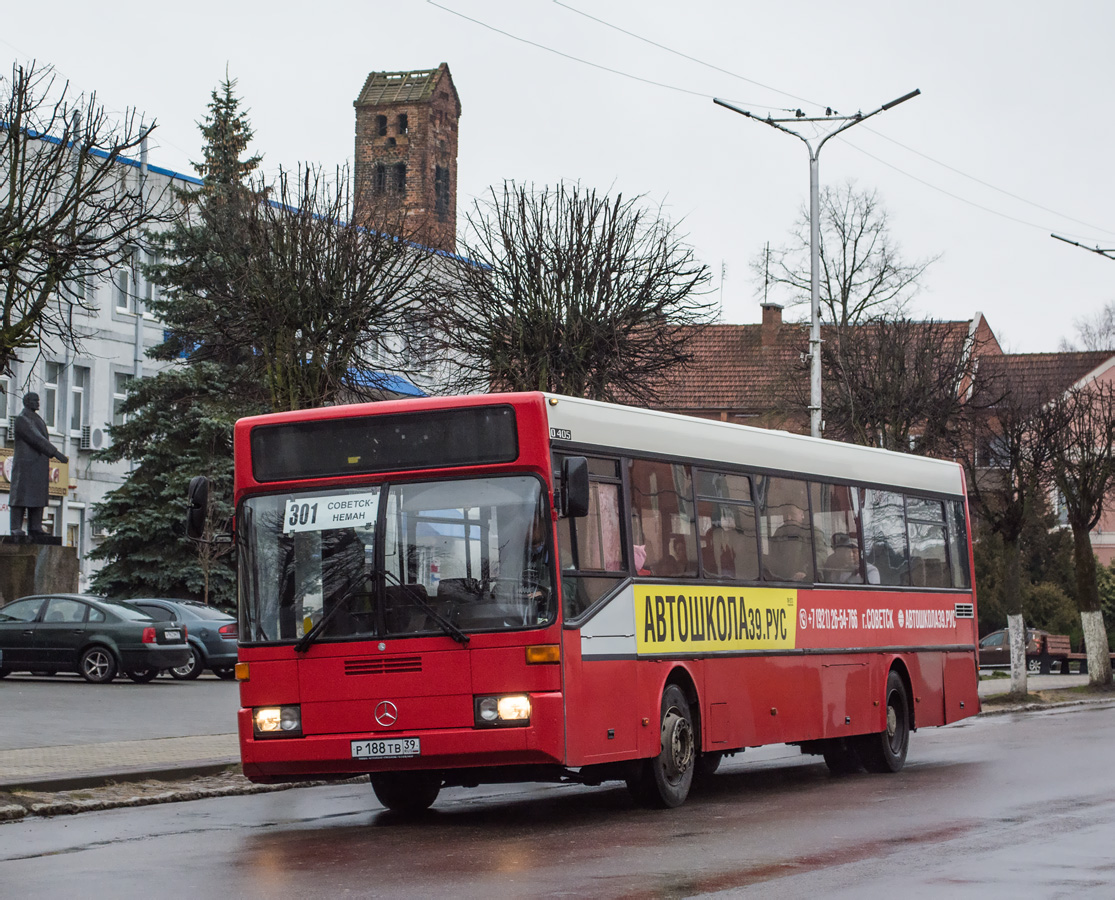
x=300, y=296
x=1095, y=332
x=69, y=209
x=569, y=291
x=1081, y=435
x=1005, y=453
x=896, y=383
x=862, y=273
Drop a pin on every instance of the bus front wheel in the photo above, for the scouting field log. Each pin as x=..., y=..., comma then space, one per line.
x=664, y=781
x=406, y=792
x=885, y=751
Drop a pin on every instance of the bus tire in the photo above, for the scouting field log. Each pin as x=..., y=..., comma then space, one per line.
x=885, y=751
x=406, y=792
x=841, y=757
x=663, y=782
x=707, y=764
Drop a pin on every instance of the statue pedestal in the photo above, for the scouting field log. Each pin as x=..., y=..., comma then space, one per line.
x=30, y=567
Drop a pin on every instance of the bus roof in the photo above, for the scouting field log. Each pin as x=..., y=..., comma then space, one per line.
x=575, y=423
x=588, y=423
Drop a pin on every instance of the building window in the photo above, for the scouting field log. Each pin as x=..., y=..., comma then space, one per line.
x=79, y=399
x=52, y=374
x=152, y=259
x=399, y=183
x=121, y=382
x=379, y=179
x=122, y=283
x=381, y=125
x=402, y=123
x=79, y=285
x=441, y=191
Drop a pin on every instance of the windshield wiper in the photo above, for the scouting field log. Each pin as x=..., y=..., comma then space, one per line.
x=448, y=627
x=312, y=635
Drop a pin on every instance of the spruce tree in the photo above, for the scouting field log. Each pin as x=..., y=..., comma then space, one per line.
x=179, y=422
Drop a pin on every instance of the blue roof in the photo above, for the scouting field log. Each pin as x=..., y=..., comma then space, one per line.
x=386, y=381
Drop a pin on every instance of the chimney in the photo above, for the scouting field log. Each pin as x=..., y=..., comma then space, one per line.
x=772, y=323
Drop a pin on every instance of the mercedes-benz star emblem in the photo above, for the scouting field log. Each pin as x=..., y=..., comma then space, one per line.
x=387, y=713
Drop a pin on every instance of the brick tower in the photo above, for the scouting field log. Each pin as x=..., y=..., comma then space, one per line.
x=406, y=154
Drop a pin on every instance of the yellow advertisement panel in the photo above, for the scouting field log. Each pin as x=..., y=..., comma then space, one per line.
x=58, y=478
x=706, y=619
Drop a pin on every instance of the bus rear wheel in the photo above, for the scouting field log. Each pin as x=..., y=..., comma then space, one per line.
x=885, y=751
x=663, y=782
x=406, y=792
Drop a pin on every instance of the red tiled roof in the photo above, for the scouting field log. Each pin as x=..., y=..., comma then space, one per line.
x=1042, y=376
x=739, y=372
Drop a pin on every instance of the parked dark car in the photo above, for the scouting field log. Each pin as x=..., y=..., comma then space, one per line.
x=48, y=633
x=994, y=649
x=212, y=634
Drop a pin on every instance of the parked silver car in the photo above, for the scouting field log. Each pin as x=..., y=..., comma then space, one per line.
x=212, y=634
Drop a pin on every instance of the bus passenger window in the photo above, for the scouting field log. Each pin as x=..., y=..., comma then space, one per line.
x=884, y=535
x=787, y=542
x=958, y=546
x=662, y=505
x=836, y=533
x=925, y=521
x=591, y=547
x=726, y=527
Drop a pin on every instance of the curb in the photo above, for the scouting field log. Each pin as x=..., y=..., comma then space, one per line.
x=102, y=777
x=14, y=811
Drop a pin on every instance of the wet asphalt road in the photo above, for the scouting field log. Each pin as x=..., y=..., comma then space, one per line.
x=63, y=710
x=1014, y=805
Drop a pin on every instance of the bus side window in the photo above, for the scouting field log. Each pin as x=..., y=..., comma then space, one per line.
x=662, y=511
x=591, y=547
x=836, y=534
x=726, y=527
x=884, y=535
x=787, y=542
x=958, y=546
x=925, y=522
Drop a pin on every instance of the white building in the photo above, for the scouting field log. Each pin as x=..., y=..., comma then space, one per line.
x=80, y=394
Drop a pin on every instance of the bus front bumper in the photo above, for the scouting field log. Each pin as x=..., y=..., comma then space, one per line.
x=278, y=759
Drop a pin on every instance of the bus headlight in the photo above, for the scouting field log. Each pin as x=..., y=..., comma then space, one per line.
x=494, y=711
x=277, y=721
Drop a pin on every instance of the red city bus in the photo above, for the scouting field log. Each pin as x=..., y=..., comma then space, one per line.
x=517, y=587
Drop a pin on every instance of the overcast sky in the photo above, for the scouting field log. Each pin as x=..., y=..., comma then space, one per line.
x=1010, y=140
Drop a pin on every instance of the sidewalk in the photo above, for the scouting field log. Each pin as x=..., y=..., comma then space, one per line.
x=989, y=687
x=86, y=765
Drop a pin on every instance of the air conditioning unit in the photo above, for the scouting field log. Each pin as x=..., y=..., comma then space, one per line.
x=10, y=436
x=99, y=531
x=86, y=437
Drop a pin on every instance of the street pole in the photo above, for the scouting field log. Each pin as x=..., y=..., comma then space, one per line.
x=846, y=122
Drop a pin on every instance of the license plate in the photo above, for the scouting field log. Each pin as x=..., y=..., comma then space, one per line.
x=172, y=635
x=387, y=748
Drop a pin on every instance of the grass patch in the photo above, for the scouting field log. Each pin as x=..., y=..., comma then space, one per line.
x=1051, y=696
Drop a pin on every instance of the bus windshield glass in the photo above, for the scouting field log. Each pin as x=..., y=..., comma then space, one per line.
x=416, y=558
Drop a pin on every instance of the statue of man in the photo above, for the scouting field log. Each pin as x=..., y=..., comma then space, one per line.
x=30, y=488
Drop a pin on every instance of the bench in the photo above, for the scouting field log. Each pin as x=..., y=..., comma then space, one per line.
x=1058, y=648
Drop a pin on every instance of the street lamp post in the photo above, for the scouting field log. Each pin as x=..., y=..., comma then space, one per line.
x=845, y=122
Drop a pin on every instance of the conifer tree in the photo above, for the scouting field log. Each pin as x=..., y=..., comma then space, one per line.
x=179, y=422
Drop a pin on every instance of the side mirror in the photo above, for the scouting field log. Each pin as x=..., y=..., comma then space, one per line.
x=574, y=487
x=197, y=507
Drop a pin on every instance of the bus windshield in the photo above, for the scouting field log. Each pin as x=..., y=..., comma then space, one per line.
x=416, y=558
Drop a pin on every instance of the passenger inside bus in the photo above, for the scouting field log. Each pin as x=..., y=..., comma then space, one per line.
x=791, y=548
x=843, y=564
